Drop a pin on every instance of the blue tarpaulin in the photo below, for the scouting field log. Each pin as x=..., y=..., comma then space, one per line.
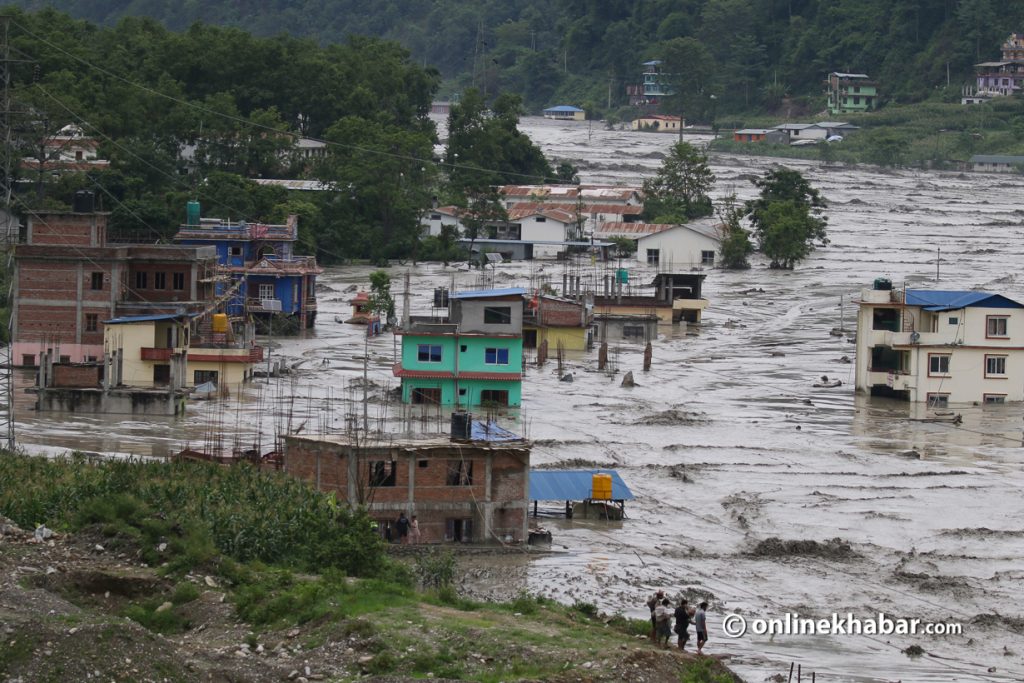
x=573, y=485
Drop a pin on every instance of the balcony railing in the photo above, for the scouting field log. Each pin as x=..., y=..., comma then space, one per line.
x=151, y=353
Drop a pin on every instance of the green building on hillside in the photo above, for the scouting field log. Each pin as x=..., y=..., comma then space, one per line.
x=471, y=357
x=849, y=93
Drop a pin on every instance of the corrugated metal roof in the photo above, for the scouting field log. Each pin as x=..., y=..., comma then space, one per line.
x=996, y=159
x=573, y=485
x=563, y=107
x=126, y=319
x=619, y=228
x=945, y=300
x=517, y=213
x=588, y=208
x=488, y=293
x=570, y=191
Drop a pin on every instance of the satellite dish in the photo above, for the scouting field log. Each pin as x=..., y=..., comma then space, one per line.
x=915, y=337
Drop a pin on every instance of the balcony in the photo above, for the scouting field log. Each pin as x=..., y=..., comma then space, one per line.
x=151, y=353
x=253, y=305
x=897, y=380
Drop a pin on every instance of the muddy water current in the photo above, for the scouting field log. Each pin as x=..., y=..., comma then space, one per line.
x=724, y=441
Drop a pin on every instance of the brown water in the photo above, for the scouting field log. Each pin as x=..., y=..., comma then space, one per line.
x=761, y=453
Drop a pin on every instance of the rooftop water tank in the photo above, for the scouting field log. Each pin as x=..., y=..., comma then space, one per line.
x=883, y=284
x=601, y=487
x=192, y=213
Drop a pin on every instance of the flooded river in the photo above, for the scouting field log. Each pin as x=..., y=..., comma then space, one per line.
x=724, y=442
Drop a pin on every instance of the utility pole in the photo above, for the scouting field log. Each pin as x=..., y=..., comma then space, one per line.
x=6, y=357
x=610, y=81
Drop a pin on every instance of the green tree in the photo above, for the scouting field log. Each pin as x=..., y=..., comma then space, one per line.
x=679, y=191
x=484, y=209
x=736, y=247
x=381, y=301
x=787, y=217
x=690, y=72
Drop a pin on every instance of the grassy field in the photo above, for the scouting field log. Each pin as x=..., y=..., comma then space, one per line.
x=149, y=553
x=940, y=134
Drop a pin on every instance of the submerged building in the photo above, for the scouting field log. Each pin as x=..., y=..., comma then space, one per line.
x=472, y=355
x=263, y=276
x=940, y=347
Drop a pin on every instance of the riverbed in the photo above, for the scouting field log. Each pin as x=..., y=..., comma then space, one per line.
x=724, y=441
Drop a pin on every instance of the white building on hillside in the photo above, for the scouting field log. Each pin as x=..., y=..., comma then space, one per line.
x=940, y=347
x=437, y=217
x=681, y=247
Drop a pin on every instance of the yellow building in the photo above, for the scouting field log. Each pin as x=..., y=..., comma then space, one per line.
x=151, y=349
x=556, y=320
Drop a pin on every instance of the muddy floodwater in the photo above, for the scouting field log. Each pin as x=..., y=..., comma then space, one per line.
x=724, y=441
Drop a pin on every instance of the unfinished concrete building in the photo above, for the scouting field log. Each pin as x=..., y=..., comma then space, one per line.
x=470, y=488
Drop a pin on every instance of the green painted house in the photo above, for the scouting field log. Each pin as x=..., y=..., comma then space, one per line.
x=851, y=93
x=472, y=357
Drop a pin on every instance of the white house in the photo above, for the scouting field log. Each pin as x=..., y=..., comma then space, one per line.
x=560, y=194
x=437, y=217
x=545, y=228
x=803, y=131
x=940, y=347
x=996, y=163
x=690, y=246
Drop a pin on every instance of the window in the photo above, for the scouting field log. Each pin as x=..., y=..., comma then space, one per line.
x=382, y=472
x=856, y=100
x=422, y=464
x=707, y=258
x=178, y=280
x=885, y=319
x=28, y=359
x=542, y=219
x=498, y=315
x=141, y=281
x=993, y=398
x=425, y=396
x=496, y=356
x=435, y=216
x=653, y=256
x=266, y=291
x=995, y=326
x=159, y=280
x=97, y=280
x=236, y=251
x=92, y=322
x=954, y=321
x=204, y=376
x=428, y=353
x=65, y=359
x=938, y=400
x=494, y=397
x=161, y=374
x=938, y=363
x=633, y=331
x=995, y=366
x=462, y=392
x=459, y=473
x=462, y=348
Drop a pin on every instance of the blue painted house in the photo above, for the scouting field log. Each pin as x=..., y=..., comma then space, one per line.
x=264, y=276
x=472, y=357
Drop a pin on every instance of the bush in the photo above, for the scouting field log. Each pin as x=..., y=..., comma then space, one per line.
x=587, y=609
x=435, y=569
x=184, y=592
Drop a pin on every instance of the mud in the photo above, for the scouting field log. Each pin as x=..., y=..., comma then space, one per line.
x=833, y=548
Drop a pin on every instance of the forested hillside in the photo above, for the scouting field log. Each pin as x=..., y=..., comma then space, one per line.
x=751, y=53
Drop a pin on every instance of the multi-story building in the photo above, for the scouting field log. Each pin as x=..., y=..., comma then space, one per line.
x=472, y=356
x=850, y=93
x=263, y=274
x=940, y=347
x=68, y=280
x=654, y=87
x=472, y=488
x=1005, y=77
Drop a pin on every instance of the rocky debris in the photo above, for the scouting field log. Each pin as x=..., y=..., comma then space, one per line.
x=673, y=416
x=913, y=651
x=835, y=548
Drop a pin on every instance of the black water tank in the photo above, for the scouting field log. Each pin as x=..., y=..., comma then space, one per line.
x=461, y=426
x=84, y=202
x=883, y=284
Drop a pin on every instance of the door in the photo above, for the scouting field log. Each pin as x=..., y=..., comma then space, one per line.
x=425, y=395
x=161, y=375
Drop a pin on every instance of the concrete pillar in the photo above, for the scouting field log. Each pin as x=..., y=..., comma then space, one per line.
x=78, y=304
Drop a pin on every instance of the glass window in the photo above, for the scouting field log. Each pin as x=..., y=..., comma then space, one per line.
x=495, y=356
x=92, y=322
x=996, y=326
x=159, y=280
x=707, y=258
x=498, y=315
x=994, y=398
x=97, y=280
x=653, y=256
x=995, y=365
x=428, y=353
x=938, y=364
x=141, y=281
x=266, y=291
x=179, y=281
x=938, y=400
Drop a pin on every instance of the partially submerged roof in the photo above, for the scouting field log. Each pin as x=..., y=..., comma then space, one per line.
x=944, y=300
x=489, y=293
x=564, y=107
x=573, y=485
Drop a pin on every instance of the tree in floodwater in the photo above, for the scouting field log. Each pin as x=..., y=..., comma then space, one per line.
x=787, y=217
x=679, y=192
x=736, y=246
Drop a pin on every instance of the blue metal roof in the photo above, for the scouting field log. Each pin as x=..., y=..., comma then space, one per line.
x=490, y=431
x=573, y=485
x=144, y=318
x=563, y=107
x=488, y=293
x=943, y=300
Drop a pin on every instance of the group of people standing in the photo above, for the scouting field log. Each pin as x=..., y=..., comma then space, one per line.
x=408, y=530
x=662, y=615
